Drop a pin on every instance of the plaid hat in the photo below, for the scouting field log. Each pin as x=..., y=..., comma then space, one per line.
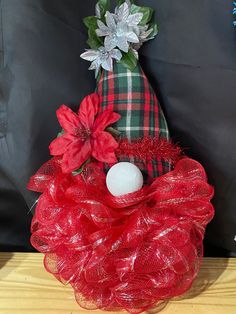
x=114, y=39
x=130, y=94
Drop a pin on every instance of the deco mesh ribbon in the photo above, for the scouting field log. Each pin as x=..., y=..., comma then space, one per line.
x=126, y=252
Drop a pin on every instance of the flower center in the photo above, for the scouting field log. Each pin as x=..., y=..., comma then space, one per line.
x=83, y=134
x=121, y=30
x=103, y=54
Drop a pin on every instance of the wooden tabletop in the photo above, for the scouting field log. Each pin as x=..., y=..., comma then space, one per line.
x=26, y=288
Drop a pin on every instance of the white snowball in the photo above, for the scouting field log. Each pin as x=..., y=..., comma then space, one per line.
x=124, y=178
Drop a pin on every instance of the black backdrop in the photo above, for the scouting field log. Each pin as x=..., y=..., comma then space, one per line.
x=191, y=65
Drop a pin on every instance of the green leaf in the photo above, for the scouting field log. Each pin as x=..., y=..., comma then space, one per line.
x=94, y=41
x=76, y=172
x=147, y=13
x=120, y=2
x=114, y=132
x=61, y=133
x=91, y=22
x=80, y=170
x=154, y=32
x=104, y=6
x=129, y=60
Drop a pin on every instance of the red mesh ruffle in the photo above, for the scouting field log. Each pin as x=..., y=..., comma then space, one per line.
x=122, y=252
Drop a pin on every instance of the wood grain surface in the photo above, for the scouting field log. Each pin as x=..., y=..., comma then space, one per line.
x=26, y=288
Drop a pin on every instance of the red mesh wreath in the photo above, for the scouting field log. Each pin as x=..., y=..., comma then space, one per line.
x=122, y=252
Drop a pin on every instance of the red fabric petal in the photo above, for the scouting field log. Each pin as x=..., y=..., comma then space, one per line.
x=105, y=119
x=88, y=110
x=60, y=145
x=103, y=147
x=68, y=119
x=75, y=156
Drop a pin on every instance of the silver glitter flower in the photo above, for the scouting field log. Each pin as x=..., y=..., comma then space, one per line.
x=143, y=36
x=121, y=29
x=101, y=58
x=97, y=11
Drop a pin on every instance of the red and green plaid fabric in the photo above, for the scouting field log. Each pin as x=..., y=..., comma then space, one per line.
x=130, y=94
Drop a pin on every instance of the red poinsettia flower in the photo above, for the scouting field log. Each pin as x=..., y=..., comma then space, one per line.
x=84, y=134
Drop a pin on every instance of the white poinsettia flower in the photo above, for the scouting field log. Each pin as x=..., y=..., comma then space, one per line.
x=135, y=53
x=121, y=28
x=97, y=11
x=144, y=34
x=123, y=12
x=101, y=58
